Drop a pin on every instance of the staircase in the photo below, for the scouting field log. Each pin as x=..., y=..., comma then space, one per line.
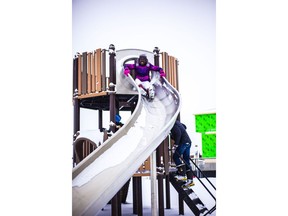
x=189, y=196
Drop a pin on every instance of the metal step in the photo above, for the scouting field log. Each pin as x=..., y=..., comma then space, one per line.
x=189, y=196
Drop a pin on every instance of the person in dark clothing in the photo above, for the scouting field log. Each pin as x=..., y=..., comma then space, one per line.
x=182, y=146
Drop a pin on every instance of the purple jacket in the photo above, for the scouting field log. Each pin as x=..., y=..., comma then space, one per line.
x=142, y=72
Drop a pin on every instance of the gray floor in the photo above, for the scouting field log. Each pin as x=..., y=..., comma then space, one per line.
x=127, y=209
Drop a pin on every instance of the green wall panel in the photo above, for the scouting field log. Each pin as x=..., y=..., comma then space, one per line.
x=207, y=123
x=208, y=145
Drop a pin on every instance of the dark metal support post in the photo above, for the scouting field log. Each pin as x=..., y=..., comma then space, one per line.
x=100, y=119
x=181, y=205
x=167, y=189
x=159, y=164
x=166, y=168
x=161, y=195
x=112, y=104
x=134, y=186
x=116, y=203
x=137, y=196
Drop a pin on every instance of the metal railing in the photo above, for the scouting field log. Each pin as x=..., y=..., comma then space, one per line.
x=196, y=166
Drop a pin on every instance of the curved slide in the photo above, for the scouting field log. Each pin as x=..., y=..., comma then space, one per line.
x=98, y=177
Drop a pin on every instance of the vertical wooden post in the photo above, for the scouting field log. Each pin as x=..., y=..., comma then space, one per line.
x=116, y=203
x=79, y=72
x=84, y=74
x=76, y=111
x=75, y=75
x=112, y=74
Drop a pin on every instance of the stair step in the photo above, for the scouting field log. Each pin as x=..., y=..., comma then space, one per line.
x=189, y=196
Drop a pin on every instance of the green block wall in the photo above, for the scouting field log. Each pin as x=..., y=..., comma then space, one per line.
x=207, y=123
x=208, y=145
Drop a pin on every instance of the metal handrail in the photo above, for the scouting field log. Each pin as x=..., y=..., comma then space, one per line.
x=214, y=207
x=200, y=172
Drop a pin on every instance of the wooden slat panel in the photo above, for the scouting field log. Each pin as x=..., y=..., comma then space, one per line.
x=95, y=70
x=163, y=62
x=84, y=74
x=147, y=164
x=79, y=74
x=93, y=77
x=174, y=73
x=98, y=70
x=164, y=66
x=86, y=148
x=176, y=66
x=103, y=70
x=144, y=169
x=89, y=73
x=170, y=71
x=167, y=66
x=83, y=150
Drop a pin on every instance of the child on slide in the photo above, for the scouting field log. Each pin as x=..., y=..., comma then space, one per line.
x=142, y=79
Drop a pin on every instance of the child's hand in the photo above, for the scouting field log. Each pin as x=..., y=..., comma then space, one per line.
x=126, y=72
x=162, y=73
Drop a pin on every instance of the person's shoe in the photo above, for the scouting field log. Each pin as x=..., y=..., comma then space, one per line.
x=144, y=93
x=188, y=184
x=151, y=93
x=180, y=178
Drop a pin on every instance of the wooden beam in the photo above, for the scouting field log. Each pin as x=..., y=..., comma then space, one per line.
x=92, y=95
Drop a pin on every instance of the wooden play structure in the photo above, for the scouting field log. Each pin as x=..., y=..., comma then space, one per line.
x=94, y=82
